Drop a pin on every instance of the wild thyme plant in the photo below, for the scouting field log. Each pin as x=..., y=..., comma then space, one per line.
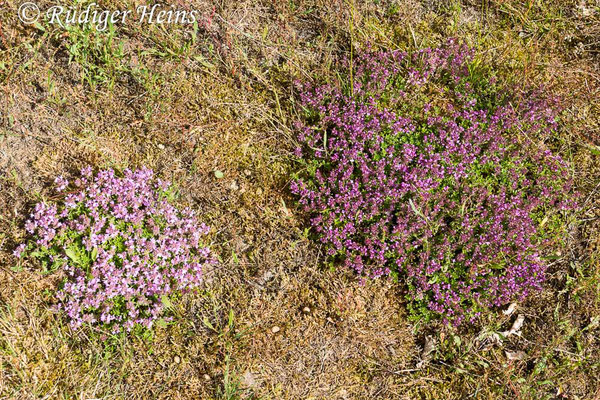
x=124, y=247
x=424, y=168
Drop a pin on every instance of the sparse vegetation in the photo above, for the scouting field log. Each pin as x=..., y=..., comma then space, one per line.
x=271, y=321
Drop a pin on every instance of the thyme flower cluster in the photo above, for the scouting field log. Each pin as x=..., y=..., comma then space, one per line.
x=125, y=249
x=421, y=167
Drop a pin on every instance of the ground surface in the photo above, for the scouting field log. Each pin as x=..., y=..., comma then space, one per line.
x=271, y=321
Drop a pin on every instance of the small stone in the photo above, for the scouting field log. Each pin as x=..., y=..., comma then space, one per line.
x=206, y=377
x=428, y=348
x=161, y=146
x=516, y=328
x=234, y=186
x=511, y=309
x=275, y=329
x=516, y=355
x=306, y=310
x=248, y=379
x=247, y=172
x=177, y=359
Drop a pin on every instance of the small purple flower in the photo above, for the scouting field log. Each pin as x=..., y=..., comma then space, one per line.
x=19, y=250
x=61, y=183
x=86, y=172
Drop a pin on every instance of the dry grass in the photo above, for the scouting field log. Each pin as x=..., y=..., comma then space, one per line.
x=224, y=101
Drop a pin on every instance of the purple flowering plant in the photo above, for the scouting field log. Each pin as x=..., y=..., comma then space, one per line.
x=125, y=249
x=421, y=166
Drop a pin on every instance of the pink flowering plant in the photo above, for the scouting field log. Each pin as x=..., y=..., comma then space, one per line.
x=126, y=250
x=421, y=167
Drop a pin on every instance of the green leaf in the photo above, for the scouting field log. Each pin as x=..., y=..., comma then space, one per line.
x=161, y=323
x=18, y=267
x=414, y=208
x=457, y=340
x=94, y=254
x=72, y=254
x=219, y=174
x=230, y=321
x=57, y=264
x=166, y=301
x=208, y=324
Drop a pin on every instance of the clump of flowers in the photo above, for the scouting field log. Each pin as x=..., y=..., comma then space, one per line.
x=125, y=248
x=421, y=166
